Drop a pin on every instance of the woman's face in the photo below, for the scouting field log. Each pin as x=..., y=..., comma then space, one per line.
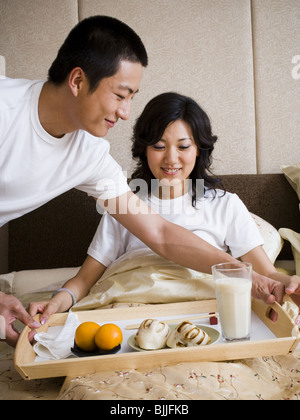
x=172, y=159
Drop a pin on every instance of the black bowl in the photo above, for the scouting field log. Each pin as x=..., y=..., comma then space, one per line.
x=80, y=353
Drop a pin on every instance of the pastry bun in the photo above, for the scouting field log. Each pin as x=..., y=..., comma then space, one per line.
x=152, y=334
x=187, y=334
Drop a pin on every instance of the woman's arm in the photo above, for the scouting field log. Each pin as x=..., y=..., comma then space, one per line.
x=80, y=285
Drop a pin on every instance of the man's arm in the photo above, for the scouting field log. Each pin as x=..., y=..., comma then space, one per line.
x=168, y=240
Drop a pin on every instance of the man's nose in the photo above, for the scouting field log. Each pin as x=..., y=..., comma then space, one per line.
x=124, y=110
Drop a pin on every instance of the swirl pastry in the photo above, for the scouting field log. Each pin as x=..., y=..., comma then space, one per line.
x=187, y=334
x=152, y=334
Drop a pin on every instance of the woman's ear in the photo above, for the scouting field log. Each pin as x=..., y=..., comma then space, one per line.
x=76, y=80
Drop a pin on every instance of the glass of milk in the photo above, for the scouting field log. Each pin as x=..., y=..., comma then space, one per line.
x=233, y=283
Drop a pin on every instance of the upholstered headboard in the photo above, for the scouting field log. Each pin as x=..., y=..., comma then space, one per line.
x=59, y=233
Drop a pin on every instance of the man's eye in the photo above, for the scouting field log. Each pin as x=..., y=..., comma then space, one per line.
x=121, y=97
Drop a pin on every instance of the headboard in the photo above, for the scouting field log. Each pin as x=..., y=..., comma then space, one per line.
x=59, y=233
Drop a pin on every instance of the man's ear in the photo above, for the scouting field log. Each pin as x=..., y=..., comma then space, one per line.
x=76, y=80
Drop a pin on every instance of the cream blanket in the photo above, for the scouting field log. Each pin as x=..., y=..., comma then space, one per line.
x=144, y=277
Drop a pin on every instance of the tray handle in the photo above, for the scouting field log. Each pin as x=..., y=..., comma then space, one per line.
x=24, y=353
x=283, y=327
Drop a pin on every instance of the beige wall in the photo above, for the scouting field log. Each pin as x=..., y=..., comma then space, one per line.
x=201, y=48
x=276, y=40
x=233, y=56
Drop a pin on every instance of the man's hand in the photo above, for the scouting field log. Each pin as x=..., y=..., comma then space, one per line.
x=267, y=290
x=12, y=309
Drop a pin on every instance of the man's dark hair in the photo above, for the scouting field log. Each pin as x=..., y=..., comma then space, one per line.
x=97, y=45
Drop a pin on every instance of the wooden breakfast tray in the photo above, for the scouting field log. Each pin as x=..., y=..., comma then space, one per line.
x=286, y=337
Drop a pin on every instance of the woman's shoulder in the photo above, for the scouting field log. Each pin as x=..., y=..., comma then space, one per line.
x=221, y=197
x=217, y=194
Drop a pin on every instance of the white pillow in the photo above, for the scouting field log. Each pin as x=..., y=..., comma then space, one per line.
x=292, y=174
x=273, y=242
x=294, y=239
x=20, y=283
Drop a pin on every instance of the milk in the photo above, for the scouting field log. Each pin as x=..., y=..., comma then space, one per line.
x=234, y=302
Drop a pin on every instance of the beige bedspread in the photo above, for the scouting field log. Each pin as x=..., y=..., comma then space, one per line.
x=269, y=378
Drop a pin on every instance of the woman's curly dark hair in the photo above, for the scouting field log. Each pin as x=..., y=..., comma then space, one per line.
x=158, y=114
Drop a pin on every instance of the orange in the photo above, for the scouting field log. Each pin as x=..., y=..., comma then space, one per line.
x=108, y=336
x=85, y=336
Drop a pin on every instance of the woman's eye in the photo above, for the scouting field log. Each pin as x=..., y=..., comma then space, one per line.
x=121, y=97
x=157, y=147
x=184, y=147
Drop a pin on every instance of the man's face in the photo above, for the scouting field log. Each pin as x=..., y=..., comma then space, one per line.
x=99, y=111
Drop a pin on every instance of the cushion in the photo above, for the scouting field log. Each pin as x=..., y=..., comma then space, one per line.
x=20, y=283
x=294, y=239
x=273, y=242
x=286, y=267
x=292, y=174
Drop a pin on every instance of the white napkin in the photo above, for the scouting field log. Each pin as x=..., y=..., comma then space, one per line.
x=56, y=343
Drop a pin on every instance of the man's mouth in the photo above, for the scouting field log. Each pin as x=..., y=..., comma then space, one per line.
x=110, y=123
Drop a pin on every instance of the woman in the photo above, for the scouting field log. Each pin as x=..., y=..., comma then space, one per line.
x=173, y=145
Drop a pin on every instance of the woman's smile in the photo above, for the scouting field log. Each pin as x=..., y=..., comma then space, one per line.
x=171, y=171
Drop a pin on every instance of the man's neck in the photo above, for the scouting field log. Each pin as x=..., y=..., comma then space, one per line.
x=52, y=110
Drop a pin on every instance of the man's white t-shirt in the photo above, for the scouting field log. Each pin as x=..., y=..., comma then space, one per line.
x=36, y=167
x=222, y=220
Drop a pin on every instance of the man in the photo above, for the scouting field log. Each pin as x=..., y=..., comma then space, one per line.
x=51, y=141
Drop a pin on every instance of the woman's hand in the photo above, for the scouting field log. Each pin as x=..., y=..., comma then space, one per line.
x=46, y=309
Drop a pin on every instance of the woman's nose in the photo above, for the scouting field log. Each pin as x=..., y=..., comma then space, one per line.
x=171, y=155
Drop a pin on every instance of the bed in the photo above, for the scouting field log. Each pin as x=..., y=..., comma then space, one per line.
x=51, y=243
